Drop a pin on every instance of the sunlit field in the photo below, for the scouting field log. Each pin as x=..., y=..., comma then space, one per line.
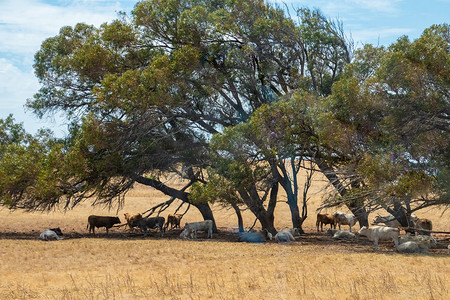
x=125, y=265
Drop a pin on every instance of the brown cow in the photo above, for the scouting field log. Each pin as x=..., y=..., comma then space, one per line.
x=324, y=219
x=174, y=220
x=131, y=219
x=101, y=221
x=425, y=224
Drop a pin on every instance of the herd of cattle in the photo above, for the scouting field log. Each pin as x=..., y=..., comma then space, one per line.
x=419, y=243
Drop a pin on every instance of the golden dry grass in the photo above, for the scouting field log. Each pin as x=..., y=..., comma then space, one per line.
x=124, y=267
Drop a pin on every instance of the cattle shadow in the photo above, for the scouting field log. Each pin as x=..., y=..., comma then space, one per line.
x=359, y=245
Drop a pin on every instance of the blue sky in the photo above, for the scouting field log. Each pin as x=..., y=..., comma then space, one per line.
x=24, y=24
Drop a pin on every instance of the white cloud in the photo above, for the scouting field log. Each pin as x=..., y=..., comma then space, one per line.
x=384, y=6
x=25, y=24
x=15, y=86
x=379, y=36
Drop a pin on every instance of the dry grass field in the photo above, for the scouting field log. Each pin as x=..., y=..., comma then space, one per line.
x=127, y=266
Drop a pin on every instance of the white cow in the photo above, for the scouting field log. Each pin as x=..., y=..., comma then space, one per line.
x=285, y=235
x=50, y=234
x=380, y=233
x=388, y=220
x=343, y=235
x=255, y=237
x=391, y=221
x=344, y=219
x=190, y=229
x=414, y=247
x=418, y=238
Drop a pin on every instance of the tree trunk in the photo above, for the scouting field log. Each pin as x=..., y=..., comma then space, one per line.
x=204, y=208
x=361, y=214
x=239, y=216
x=255, y=204
x=358, y=210
x=401, y=214
x=266, y=221
x=207, y=213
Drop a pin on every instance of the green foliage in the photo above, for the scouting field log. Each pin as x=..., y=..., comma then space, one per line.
x=239, y=87
x=216, y=190
x=388, y=115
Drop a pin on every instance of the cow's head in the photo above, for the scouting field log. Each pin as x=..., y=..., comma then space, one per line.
x=57, y=231
x=363, y=230
x=116, y=220
x=382, y=219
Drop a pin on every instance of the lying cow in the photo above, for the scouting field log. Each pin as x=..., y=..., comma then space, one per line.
x=190, y=229
x=51, y=234
x=391, y=221
x=324, y=219
x=425, y=224
x=154, y=222
x=131, y=219
x=388, y=220
x=414, y=247
x=343, y=235
x=255, y=237
x=418, y=238
x=380, y=233
x=173, y=220
x=341, y=218
x=285, y=236
x=101, y=221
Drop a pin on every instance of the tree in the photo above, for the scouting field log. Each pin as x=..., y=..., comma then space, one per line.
x=152, y=91
x=389, y=115
x=146, y=94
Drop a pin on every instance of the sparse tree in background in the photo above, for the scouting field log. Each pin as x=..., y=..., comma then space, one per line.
x=389, y=116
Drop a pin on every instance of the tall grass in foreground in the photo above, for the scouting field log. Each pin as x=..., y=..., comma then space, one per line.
x=171, y=269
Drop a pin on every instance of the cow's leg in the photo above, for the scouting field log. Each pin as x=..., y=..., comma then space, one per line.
x=350, y=226
x=375, y=241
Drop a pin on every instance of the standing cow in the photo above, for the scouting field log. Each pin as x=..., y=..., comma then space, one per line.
x=324, y=219
x=154, y=222
x=341, y=218
x=101, y=221
x=174, y=220
x=190, y=229
x=380, y=233
x=131, y=218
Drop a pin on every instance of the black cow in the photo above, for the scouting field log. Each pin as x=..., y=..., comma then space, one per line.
x=155, y=222
x=101, y=221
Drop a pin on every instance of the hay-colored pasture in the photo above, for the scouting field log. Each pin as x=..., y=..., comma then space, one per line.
x=125, y=266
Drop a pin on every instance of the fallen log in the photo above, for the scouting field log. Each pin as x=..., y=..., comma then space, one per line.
x=424, y=230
